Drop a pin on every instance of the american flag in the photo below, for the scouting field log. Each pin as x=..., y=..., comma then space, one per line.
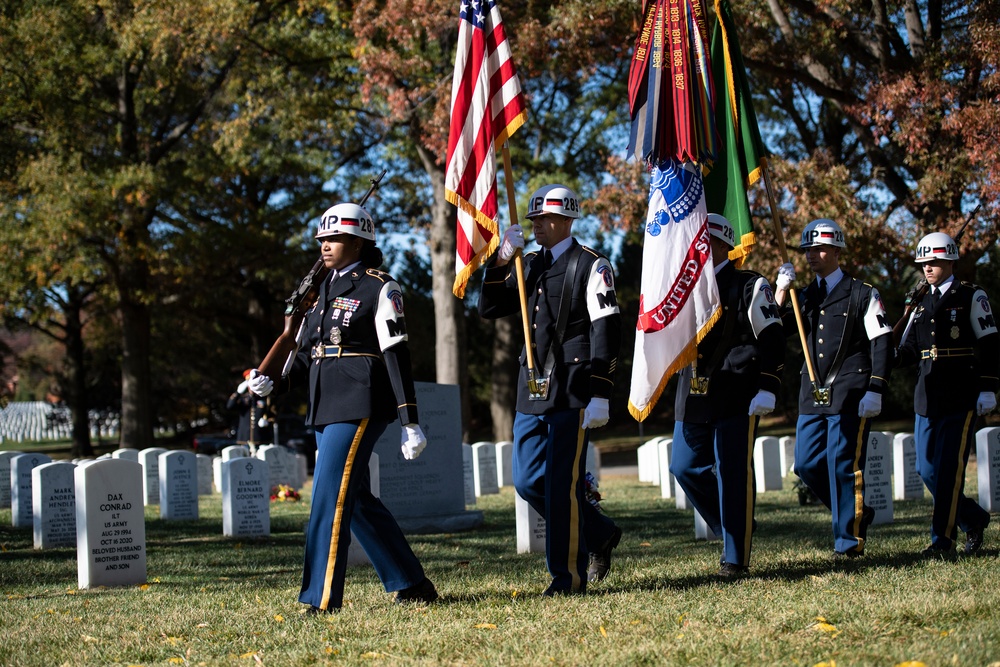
x=487, y=107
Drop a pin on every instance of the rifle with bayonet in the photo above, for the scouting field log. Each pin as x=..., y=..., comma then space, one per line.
x=914, y=296
x=296, y=306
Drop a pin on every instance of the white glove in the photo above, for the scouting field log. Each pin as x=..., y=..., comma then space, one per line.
x=413, y=441
x=513, y=240
x=986, y=403
x=762, y=403
x=259, y=384
x=786, y=276
x=596, y=413
x=262, y=422
x=242, y=388
x=870, y=405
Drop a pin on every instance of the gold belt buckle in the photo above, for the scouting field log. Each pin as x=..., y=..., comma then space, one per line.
x=934, y=353
x=699, y=385
x=821, y=396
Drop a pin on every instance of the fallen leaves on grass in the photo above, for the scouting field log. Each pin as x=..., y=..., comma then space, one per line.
x=485, y=626
x=821, y=625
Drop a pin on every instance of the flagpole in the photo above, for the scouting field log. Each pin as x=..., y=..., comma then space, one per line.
x=776, y=222
x=518, y=264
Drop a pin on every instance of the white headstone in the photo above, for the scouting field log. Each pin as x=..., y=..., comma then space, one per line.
x=179, y=485
x=302, y=468
x=373, y=475
x=204, y=474
x=680, y=498
x=110, y=524
x=530, y=526
x=767, y=463
x=469, y=474
x=277, y=464
x=246, y=498
x=484, y=468
x=594, y=461
x=426, y=494
x=234, y=451
x=988, y=468
x=149, y=459
x=649, y=462
x=906, y=482
x=21, y=515
x=126, y=453
x=217, y=472
x=664, y=477
x=702, y=531
x=5, y=458
x=53, y=505
x=878, y=482
x=505, y=463
x=787, y=451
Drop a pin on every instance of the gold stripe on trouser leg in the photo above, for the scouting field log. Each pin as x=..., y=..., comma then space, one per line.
x=959, y=474
x=574, y=509
x=338, y=516
x=859, y=484
x=748, y=528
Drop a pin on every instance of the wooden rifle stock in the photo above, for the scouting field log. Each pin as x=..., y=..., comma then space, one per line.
x=297, y=304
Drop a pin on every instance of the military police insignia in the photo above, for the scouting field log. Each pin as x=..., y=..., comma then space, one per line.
x=397, y=301
x=607, y=275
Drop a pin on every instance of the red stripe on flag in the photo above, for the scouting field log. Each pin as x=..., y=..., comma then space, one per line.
x=664, y=312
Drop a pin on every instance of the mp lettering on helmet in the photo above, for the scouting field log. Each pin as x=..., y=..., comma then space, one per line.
x=825, y=236
x=328, y=222
x=937, y=251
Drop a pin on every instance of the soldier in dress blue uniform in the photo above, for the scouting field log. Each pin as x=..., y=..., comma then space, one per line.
x=353, y=355
x=953, y=340
x=721, y=398
x=575, y=336
x=850, y=344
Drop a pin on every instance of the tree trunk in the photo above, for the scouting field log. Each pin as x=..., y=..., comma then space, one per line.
x=449, y=320
x=503, y=397
x=76, y=377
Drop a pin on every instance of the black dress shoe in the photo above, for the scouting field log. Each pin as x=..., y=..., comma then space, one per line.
x=316, y=611
x=848, y=555
x=938, y=550
x=554, y=590
x=423, y=592
x=600, y=560
x=974, y=538
x=731, y=570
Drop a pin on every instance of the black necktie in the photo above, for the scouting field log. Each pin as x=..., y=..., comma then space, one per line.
x=935, y=295
x=822, y=289
x=546, y=260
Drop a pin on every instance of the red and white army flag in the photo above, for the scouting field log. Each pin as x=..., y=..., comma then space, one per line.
x=487, y=107
x=679, y=300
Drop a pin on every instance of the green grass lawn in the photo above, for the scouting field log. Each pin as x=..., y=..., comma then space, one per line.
x=211, y=600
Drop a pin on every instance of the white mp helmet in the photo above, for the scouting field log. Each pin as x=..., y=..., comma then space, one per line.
x=822, y=232
x=346, y=219
x=936, y=245
x=556, y=199
x=719, y=227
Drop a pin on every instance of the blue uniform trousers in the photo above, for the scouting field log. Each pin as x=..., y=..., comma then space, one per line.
x=830, y=453
x=724, y=497
x=342, y=501
x=548, y=465
x=943, y=447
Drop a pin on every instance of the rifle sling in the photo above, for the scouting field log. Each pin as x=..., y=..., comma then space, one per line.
x=567, y=291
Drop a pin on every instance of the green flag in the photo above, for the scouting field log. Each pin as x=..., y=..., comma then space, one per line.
x=741, y=153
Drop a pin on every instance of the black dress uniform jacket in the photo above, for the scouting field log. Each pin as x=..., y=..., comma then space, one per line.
x=867, y=361
x=586, y=360
x=748, y=363
x=348, y=317
x=965, y=364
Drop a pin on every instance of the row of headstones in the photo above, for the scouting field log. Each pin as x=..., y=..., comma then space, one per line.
x=173, y=480
x=97, y=506
x=890, y=471
x=488, y=467
x=38, y=420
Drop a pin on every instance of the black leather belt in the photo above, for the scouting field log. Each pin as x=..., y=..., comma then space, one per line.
x=935, y=353
x=327, y=351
